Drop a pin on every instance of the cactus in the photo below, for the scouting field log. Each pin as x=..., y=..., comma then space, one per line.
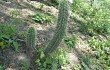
x=31, y=38
x=60, y=28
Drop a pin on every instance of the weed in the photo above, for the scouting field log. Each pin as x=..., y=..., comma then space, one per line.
x=25, y=67
x=70, y=42
x=1, y=67
x=17, y=20
x=76, y=67
x=52, y=62
x=22, y=34
x=7, y=36
x=42, y=18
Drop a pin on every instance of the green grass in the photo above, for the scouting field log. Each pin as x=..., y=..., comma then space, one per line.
x=102, y=52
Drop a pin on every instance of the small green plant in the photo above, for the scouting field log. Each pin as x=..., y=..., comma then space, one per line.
x=76, y=67
x=25, y=66
x=1, y=67
x=42, y=18
x=52, y=62
x=70, y=42
x=7, y=36
x=31, y=37
x=17, y=20
x=41, y=6
x=22, y=34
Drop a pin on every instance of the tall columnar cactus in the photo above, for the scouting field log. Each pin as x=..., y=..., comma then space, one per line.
x=60, y=28
x=31, y=37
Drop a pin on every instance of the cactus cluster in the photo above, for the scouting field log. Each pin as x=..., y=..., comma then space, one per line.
x=31, y=38
x=60, y=28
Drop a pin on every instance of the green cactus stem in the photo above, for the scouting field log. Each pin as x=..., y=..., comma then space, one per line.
x=60, y=28
x=31, y=38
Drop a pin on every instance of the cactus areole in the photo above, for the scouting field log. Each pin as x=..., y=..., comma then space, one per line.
x=60, y=28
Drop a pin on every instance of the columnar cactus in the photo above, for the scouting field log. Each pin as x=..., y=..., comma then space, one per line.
x=60, y=28
x=31, y=38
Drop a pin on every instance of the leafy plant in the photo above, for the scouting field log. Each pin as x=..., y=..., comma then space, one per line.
x=52, y=62
x=7, y=36
x=25, y=67
x=16, y=45
x=42, y=18
x=22, y=34
x=76, y=67
x=70, y=42
x=1, y=67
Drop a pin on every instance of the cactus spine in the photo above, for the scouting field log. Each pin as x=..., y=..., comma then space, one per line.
x=60, y=28
x=31, y=37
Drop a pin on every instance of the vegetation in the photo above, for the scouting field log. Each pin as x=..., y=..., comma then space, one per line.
x=7, y=36
x=53, y=62
x=1, y=67
x=42, y=18
x=86, y=47
x=102, y=52
x=70, y=42
x=95, y=19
